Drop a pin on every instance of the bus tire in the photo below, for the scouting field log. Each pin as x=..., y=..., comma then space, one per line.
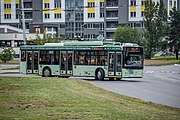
x=118, y=78
x=46, y=72
x=111, y=79
x=100, y=74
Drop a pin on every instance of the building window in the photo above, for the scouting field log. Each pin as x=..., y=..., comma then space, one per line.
x=91, y=15
x=5, y=43
x=133, y=2
x=49, y=29
x=142, y=14
x=91, y=4
x=17, y=16
x=17, y=6
x=46, y=16
x=101, y=26
x=170, y=3
x=46, y=5
x=142, y=25
x=57, y=15
x=133, y=14
x=137, y=25
x=101, y=14
x=142, y=3
x=57, y=5
x=7, y=6
x=90, y=25
x=91, y=36
x=7, y=16
x=175, y=4
x=101, y=4
x=38, y=30
x=132, y=25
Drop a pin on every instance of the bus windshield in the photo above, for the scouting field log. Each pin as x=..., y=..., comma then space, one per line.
x=133, y=57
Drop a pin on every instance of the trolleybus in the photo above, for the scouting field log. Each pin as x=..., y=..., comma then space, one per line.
x=99, y=59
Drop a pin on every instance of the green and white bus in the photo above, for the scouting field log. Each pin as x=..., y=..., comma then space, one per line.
x=83, y=58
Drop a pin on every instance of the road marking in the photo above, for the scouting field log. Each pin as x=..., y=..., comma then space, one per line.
x=149, y=71
x=177, y=64
x=163, y=72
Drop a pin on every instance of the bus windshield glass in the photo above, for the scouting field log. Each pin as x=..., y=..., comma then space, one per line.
x=133, y=57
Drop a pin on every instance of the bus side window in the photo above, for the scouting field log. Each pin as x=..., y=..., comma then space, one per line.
x=23, y=55
x=76, y=58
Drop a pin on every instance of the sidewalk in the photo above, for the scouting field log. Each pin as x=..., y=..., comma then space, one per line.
x=9, y=71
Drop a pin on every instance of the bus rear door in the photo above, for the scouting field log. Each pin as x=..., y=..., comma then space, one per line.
x=32, y=61
x=115, y=64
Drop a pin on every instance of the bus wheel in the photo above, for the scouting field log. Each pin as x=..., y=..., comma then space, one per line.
x=100, y=74
x=46, y=72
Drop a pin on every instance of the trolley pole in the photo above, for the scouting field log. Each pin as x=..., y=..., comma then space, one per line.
x=23, y=22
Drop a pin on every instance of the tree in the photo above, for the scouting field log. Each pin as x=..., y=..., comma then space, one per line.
x=155, y=22
x=175, y=31
x=127, y=34
x=7, y=54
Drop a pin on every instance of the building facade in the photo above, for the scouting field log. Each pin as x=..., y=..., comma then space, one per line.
x=69, y=19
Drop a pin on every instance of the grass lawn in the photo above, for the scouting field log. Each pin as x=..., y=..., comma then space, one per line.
x=60, y=98
x=16, y=61
x=167, y=60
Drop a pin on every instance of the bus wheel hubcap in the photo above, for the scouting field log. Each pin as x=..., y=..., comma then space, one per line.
x=46, y=72
x=99, y=74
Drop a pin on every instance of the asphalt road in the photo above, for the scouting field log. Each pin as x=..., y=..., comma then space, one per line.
x=160, y=84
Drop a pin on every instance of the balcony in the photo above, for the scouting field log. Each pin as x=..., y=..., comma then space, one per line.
x=28, y=15
x=27, y=4
x=111, y=28
x=109, y=35
x=112, y=4
x=112, y=17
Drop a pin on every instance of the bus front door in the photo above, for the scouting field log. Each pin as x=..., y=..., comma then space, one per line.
x=66, y=63
x=32, y=61
x=115, y=64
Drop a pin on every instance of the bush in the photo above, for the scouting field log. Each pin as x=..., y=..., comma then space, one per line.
x=7, y=54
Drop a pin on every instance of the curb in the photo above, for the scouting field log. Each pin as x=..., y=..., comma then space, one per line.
x=9, y=71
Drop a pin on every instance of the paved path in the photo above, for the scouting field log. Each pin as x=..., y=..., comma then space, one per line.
x=9, y=71
x=8, y=66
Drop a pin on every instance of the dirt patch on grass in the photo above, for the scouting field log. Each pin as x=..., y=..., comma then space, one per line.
x=24, y=105
x=160, y=62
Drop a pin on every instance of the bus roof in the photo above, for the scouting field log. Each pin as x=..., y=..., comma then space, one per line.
x=73, y=45
x=83, y=43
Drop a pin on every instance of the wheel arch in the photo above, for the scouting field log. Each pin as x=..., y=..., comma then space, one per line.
x=99, y=69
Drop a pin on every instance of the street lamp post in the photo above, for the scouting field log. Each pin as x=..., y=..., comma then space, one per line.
x=82, y=29
x=23, y=22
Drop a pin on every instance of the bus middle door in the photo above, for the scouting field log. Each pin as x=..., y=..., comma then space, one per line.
x=66, y=63
x=114, y=66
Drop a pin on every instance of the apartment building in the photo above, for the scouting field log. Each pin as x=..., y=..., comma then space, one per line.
x=69, y=18
x=76, y=18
